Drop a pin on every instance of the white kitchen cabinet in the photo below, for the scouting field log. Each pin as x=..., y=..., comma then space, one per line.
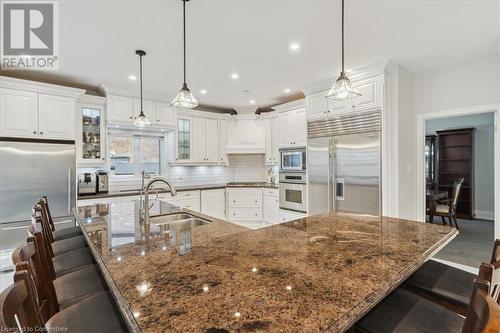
x=270, y=206
x=188, y=199
x=197, y=141
x=166, y=115
x=226, y=127
x=245, y=206
x=371, y=97
x=292, y=128
x=198, y=147
x=211, y=143
x=320, y=107
x=213, y=203
x=91, y=137
x=18, y=113
x=272, y=143
x=120, y=109
x=56, y=117
x=288, y=215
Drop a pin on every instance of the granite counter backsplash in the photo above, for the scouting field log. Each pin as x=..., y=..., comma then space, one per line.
x=320, y=273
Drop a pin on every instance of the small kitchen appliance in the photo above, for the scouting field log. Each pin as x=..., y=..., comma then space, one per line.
x=87, y=183
x=102, y=181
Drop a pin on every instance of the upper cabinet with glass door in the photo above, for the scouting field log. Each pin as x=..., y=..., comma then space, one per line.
x=91, y=149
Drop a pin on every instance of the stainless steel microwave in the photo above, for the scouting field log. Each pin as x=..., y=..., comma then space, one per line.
x=293, y=159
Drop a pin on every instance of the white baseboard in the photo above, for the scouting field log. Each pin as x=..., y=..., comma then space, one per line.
x=485, y=215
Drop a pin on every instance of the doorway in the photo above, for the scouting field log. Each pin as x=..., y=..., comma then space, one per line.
x=459, y=147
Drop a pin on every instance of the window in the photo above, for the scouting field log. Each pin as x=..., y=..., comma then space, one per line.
x=183, y=148
x=131, y=154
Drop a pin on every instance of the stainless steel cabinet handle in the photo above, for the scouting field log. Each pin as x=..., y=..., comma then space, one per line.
x=34, y=132
x=130, y=117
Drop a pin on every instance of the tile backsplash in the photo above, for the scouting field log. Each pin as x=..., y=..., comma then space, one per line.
x=241, y=168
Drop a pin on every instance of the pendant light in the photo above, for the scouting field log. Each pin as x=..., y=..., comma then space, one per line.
x=141, y=120
x=185, y=98
x=342, y=88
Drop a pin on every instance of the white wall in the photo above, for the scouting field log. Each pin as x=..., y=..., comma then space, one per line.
x=406, y=157
x=471, y=83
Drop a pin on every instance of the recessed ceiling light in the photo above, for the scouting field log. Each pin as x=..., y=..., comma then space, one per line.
x=235, y=76
x=252, y=101
x=294, y=46
x=349, y=70
x=132, y=78
x=287, y=91
x=203, y=91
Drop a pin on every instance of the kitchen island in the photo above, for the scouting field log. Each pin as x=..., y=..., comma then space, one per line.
x=317, y=274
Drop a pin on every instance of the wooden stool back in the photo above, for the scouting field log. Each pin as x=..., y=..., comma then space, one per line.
x=18, y=308
x=45, y=204
x=483, y=315
x=29, y=258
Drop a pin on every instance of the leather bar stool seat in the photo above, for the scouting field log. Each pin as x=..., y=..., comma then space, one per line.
x=67, y=233
x=95, y=314
x=405, y=312
x=68, y=244
x=73, y=287
x=439, y=281
x=72, y=260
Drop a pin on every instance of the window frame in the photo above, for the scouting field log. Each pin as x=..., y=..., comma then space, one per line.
x=136, y=152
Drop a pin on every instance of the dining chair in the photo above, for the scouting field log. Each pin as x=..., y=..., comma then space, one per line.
x=448, y=207
x=62, y=291
x=403, y=312
x=19, y=311
x=446, y=285
x=60, y=233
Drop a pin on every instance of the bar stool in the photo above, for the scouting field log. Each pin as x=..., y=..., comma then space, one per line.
x=65, y=262
x=60, y=292
x=58, y=246
x=61, y=233
x=18, y=307
x=449, y=286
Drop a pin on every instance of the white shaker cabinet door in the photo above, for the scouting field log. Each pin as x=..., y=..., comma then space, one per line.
x=271, y=209
x=198, y=136
x=56, y=117
x=211, y=143
x=213, y=203
x=18, y=113
x=120, y=109
x=166, y=115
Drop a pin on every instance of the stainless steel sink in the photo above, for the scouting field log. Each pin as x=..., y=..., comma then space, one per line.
x=178, y=218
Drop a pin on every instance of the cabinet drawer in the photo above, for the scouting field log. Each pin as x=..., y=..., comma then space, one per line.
x=193, y=204
x=245, y=214
x=245, y=200
x=271, y=192
x=187, y=195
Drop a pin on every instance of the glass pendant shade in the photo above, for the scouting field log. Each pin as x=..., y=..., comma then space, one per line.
x=342, y=89
x=141, y=120
x=185, y=99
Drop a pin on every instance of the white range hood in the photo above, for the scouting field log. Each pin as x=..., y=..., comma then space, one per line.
x=248, y=136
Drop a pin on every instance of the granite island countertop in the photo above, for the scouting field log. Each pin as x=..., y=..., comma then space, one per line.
x=317, y=274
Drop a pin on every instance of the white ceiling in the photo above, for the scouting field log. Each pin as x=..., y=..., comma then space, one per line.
x=252, y=37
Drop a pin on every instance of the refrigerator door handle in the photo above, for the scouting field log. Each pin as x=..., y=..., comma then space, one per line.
x=69, y=190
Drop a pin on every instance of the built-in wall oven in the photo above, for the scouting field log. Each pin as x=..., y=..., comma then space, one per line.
x=293, y=159
x=293, y=191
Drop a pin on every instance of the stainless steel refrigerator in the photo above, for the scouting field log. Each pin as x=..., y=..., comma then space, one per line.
x=344, y=164
x=29, y=170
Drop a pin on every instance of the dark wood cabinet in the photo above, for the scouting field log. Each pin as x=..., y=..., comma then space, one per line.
x=430, y=160
x=455, y=161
